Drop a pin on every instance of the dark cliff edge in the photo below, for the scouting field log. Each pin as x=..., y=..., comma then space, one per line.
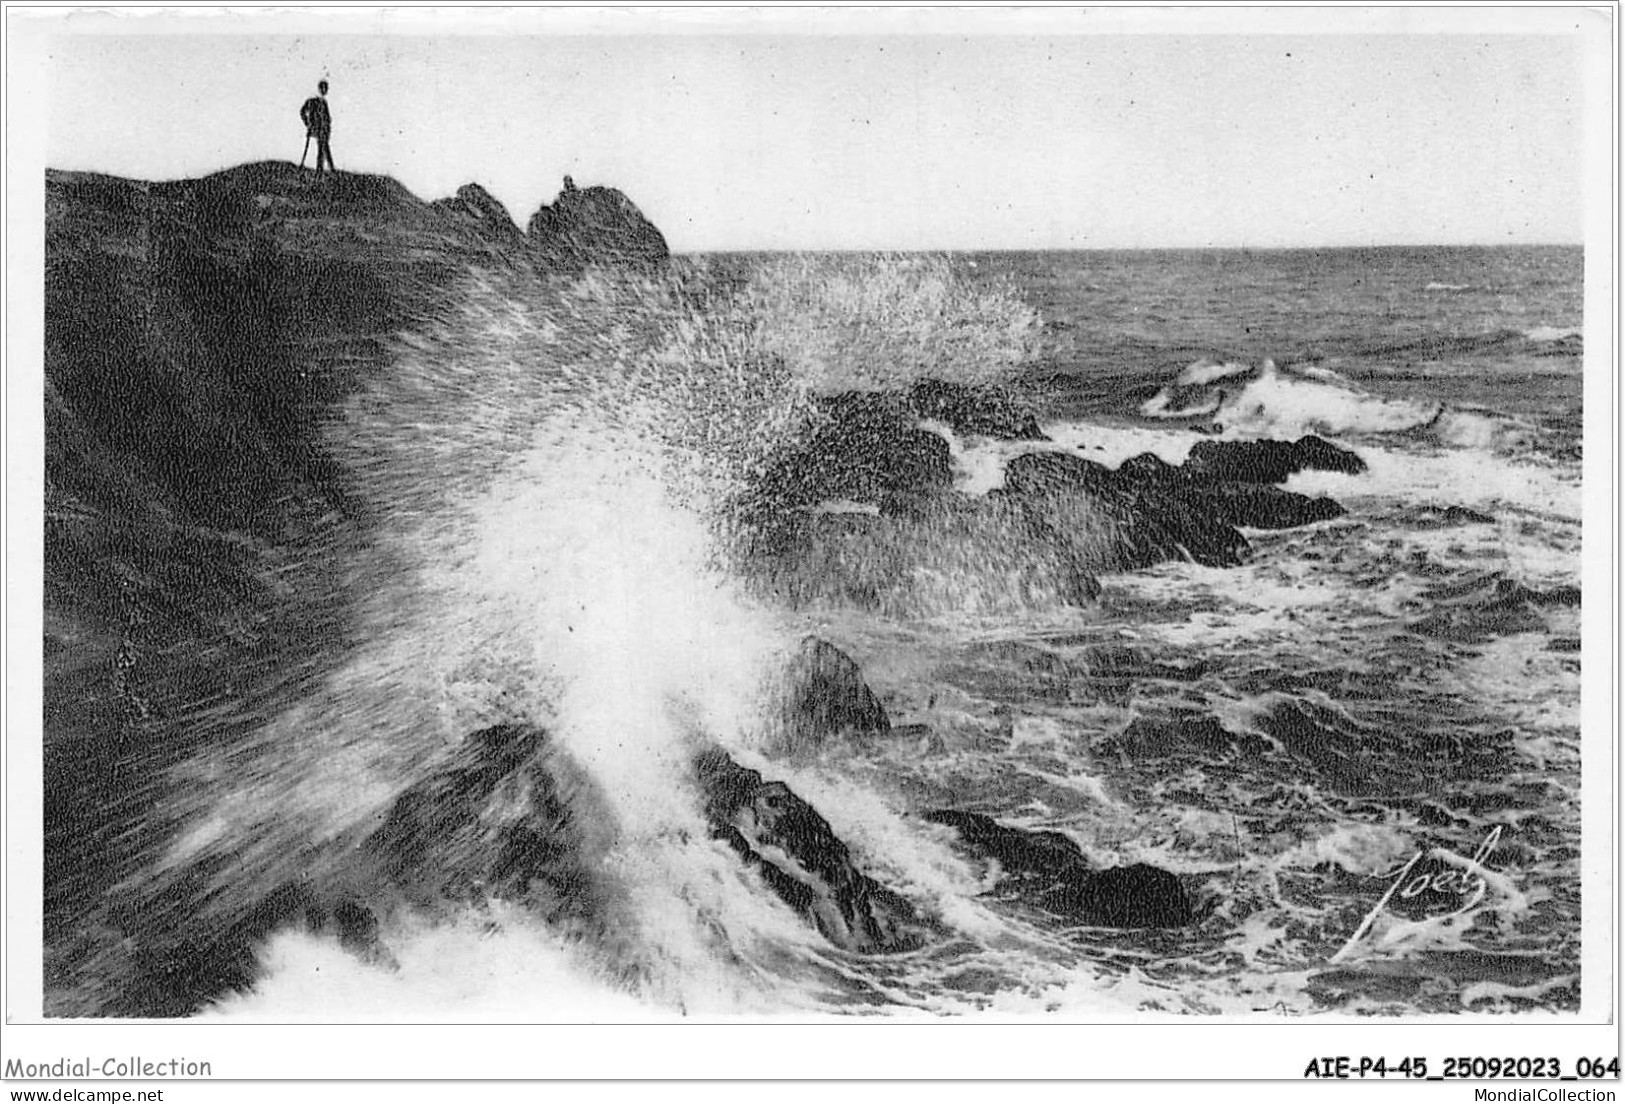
x=203, y=549
x=589, y=225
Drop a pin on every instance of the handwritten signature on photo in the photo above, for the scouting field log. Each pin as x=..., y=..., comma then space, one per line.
x=1454, y=877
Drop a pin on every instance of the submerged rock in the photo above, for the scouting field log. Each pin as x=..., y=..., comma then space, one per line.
x=802, y=860
x=1049, y=869
x=820, y=696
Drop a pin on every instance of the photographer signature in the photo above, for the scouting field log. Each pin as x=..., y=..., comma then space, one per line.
x=1463, y=878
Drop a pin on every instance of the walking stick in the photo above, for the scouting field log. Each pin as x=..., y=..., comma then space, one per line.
x=306, y=154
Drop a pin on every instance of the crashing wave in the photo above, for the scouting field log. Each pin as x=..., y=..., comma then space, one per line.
x=1271, y=401
x=1193, y=394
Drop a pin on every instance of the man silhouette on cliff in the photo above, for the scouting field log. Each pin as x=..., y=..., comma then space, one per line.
x=318, y=125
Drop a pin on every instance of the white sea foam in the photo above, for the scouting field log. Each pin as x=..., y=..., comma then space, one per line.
x=1453, y=476
x=1276, y=404
x=596, y=587
x=979, y=462
x=576, y=550
x=1209, y=371
x=475, y=968
x=1316, y=371
x=910, y=855
x=608, y=581
x=1112, y=444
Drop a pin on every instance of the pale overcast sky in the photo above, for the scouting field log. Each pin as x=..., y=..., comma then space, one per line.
x=957, y=140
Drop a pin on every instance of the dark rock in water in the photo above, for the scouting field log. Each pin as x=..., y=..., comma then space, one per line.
x=1256, y=506
x=357, y=928
x=803, y=861
x=985, y=410
x=1268, y=461
x=868, y=447
x=1020, y=852
x=1510, y=593
x=1148, y=737
x=1133, y=896
x=1246, y=505
x=865, y=447
x=1436, y=517
x=594, y=226
x=493, y=822
x=1558, y=596
x=1049, y=869
x=474, y=202
x=1137, y=521
x=1150, y=467
x=201, y=338
x=820, y=696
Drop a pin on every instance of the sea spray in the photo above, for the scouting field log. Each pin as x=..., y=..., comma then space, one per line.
x=653, y=658
x=608, y=583
x=589, y=591
x=568, y=580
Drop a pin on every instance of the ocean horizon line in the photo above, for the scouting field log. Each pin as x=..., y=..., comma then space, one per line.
x=913, y=249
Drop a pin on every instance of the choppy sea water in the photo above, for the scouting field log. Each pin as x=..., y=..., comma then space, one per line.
x=1287, y=736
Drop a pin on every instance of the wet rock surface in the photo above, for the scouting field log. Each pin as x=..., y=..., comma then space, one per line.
x=1143, y=521
x=1268, y=461
x=801, y=859
x=820, y=696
